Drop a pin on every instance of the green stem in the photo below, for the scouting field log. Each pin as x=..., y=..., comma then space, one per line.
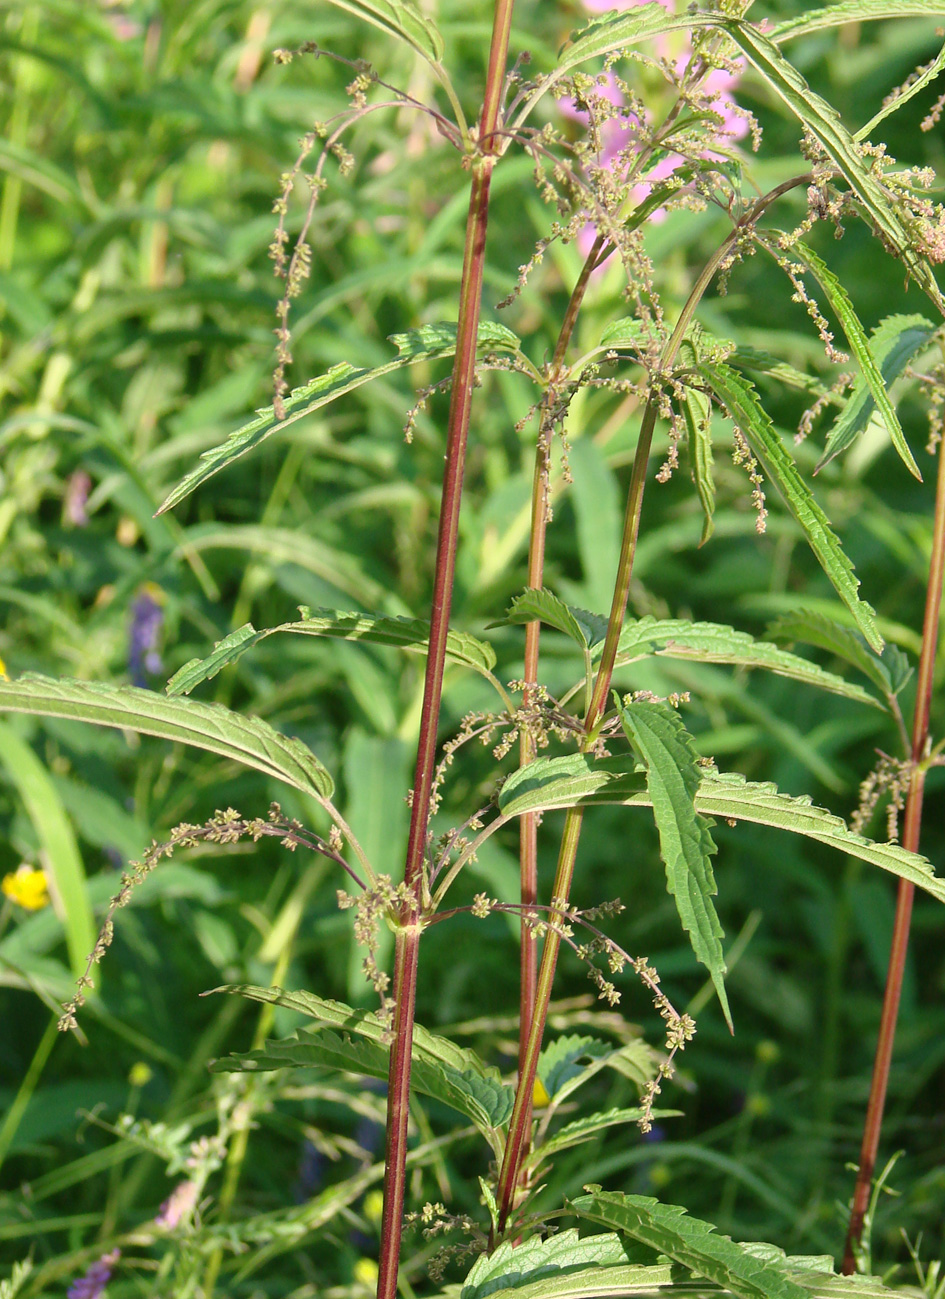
x=25, y=1091
x=408, y=937
x=912, y=827
x=528, y=826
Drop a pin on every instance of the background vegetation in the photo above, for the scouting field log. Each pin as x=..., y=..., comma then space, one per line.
x=143, y=148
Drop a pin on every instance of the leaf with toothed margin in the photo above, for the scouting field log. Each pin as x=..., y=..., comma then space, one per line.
x=894, y=342
x=430, y=342
x=848, y=11
x=410, y=634
x=658, y=734
x=398, y=18
x=711, y=642
x=248, y=740
x=584, y=628
x=728, y=796
x=694, y=1244
x=740, y=399
x=889, y=672
x=870, y=377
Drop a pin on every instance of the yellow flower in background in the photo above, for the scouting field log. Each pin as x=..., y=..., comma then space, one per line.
x=27, y=887
x=374, y=1206
x=140, y=1074
x=365, y=1272
x=3, y=670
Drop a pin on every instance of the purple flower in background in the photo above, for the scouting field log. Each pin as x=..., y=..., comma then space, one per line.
x=93, y=1284
x=76, y=498
x=178, y=1206
x=718, y=83
x=147, y=619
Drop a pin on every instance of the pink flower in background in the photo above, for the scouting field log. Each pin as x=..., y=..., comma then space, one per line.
x=719, y=82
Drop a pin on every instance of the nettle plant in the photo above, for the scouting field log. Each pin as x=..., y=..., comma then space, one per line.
x=607, y=163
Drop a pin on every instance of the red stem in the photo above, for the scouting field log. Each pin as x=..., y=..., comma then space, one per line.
x=910, y=839
x=408, y=937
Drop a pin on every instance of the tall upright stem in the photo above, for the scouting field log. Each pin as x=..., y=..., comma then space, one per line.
x=406, y=951
x=911, y=831
x=528, y=826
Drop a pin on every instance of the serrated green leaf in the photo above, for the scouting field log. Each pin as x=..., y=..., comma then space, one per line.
x=336, y=1014
x=709, y=642
x=725, y=796
x=889, y=672
x=410, y=634
x=902, y=96
x=510, y=1266
x=485, y=1102
x=823, y=122
x=728, y=796
x=672, y=775
x=697, y=412
x=762, y=362
x=247, y=740
x=588, y=1283
x=870, y=375
x=584, y=628
x=560, y=1060
x=567, y=780
x=893, y=343
x=624, y=332
x=401, y=19
x=668, y=1229
x=741, y=400
x=848, y=11
x=427, y=343
x=581, y=1130
x=615, y=31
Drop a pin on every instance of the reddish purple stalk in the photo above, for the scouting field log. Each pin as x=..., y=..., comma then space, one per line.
x=408, y=937
x=912, y=827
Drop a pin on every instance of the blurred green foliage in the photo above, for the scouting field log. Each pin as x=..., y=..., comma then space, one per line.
x=142, y=149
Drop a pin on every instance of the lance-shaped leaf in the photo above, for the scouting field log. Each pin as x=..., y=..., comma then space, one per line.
x=511, y=1266
x=902, y=96
x=889, y=672
x=401, y=19
x=697, y=412
x=584, y=628
x=709, y=642
x=431, y=342
x=410, y=634
x=740, y=399
x=566, y=1058
x=725, y=795
x=848, y=11
x=336, y=1014
x=672, y=776
x=893, y=344
x=823, y=122
x=567, y=781
x=610, y=33
x=780, y=372
x=475, y=1091
x=870, y=375
x=247, y=740
x=669, y=1230
x=581, y=1130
